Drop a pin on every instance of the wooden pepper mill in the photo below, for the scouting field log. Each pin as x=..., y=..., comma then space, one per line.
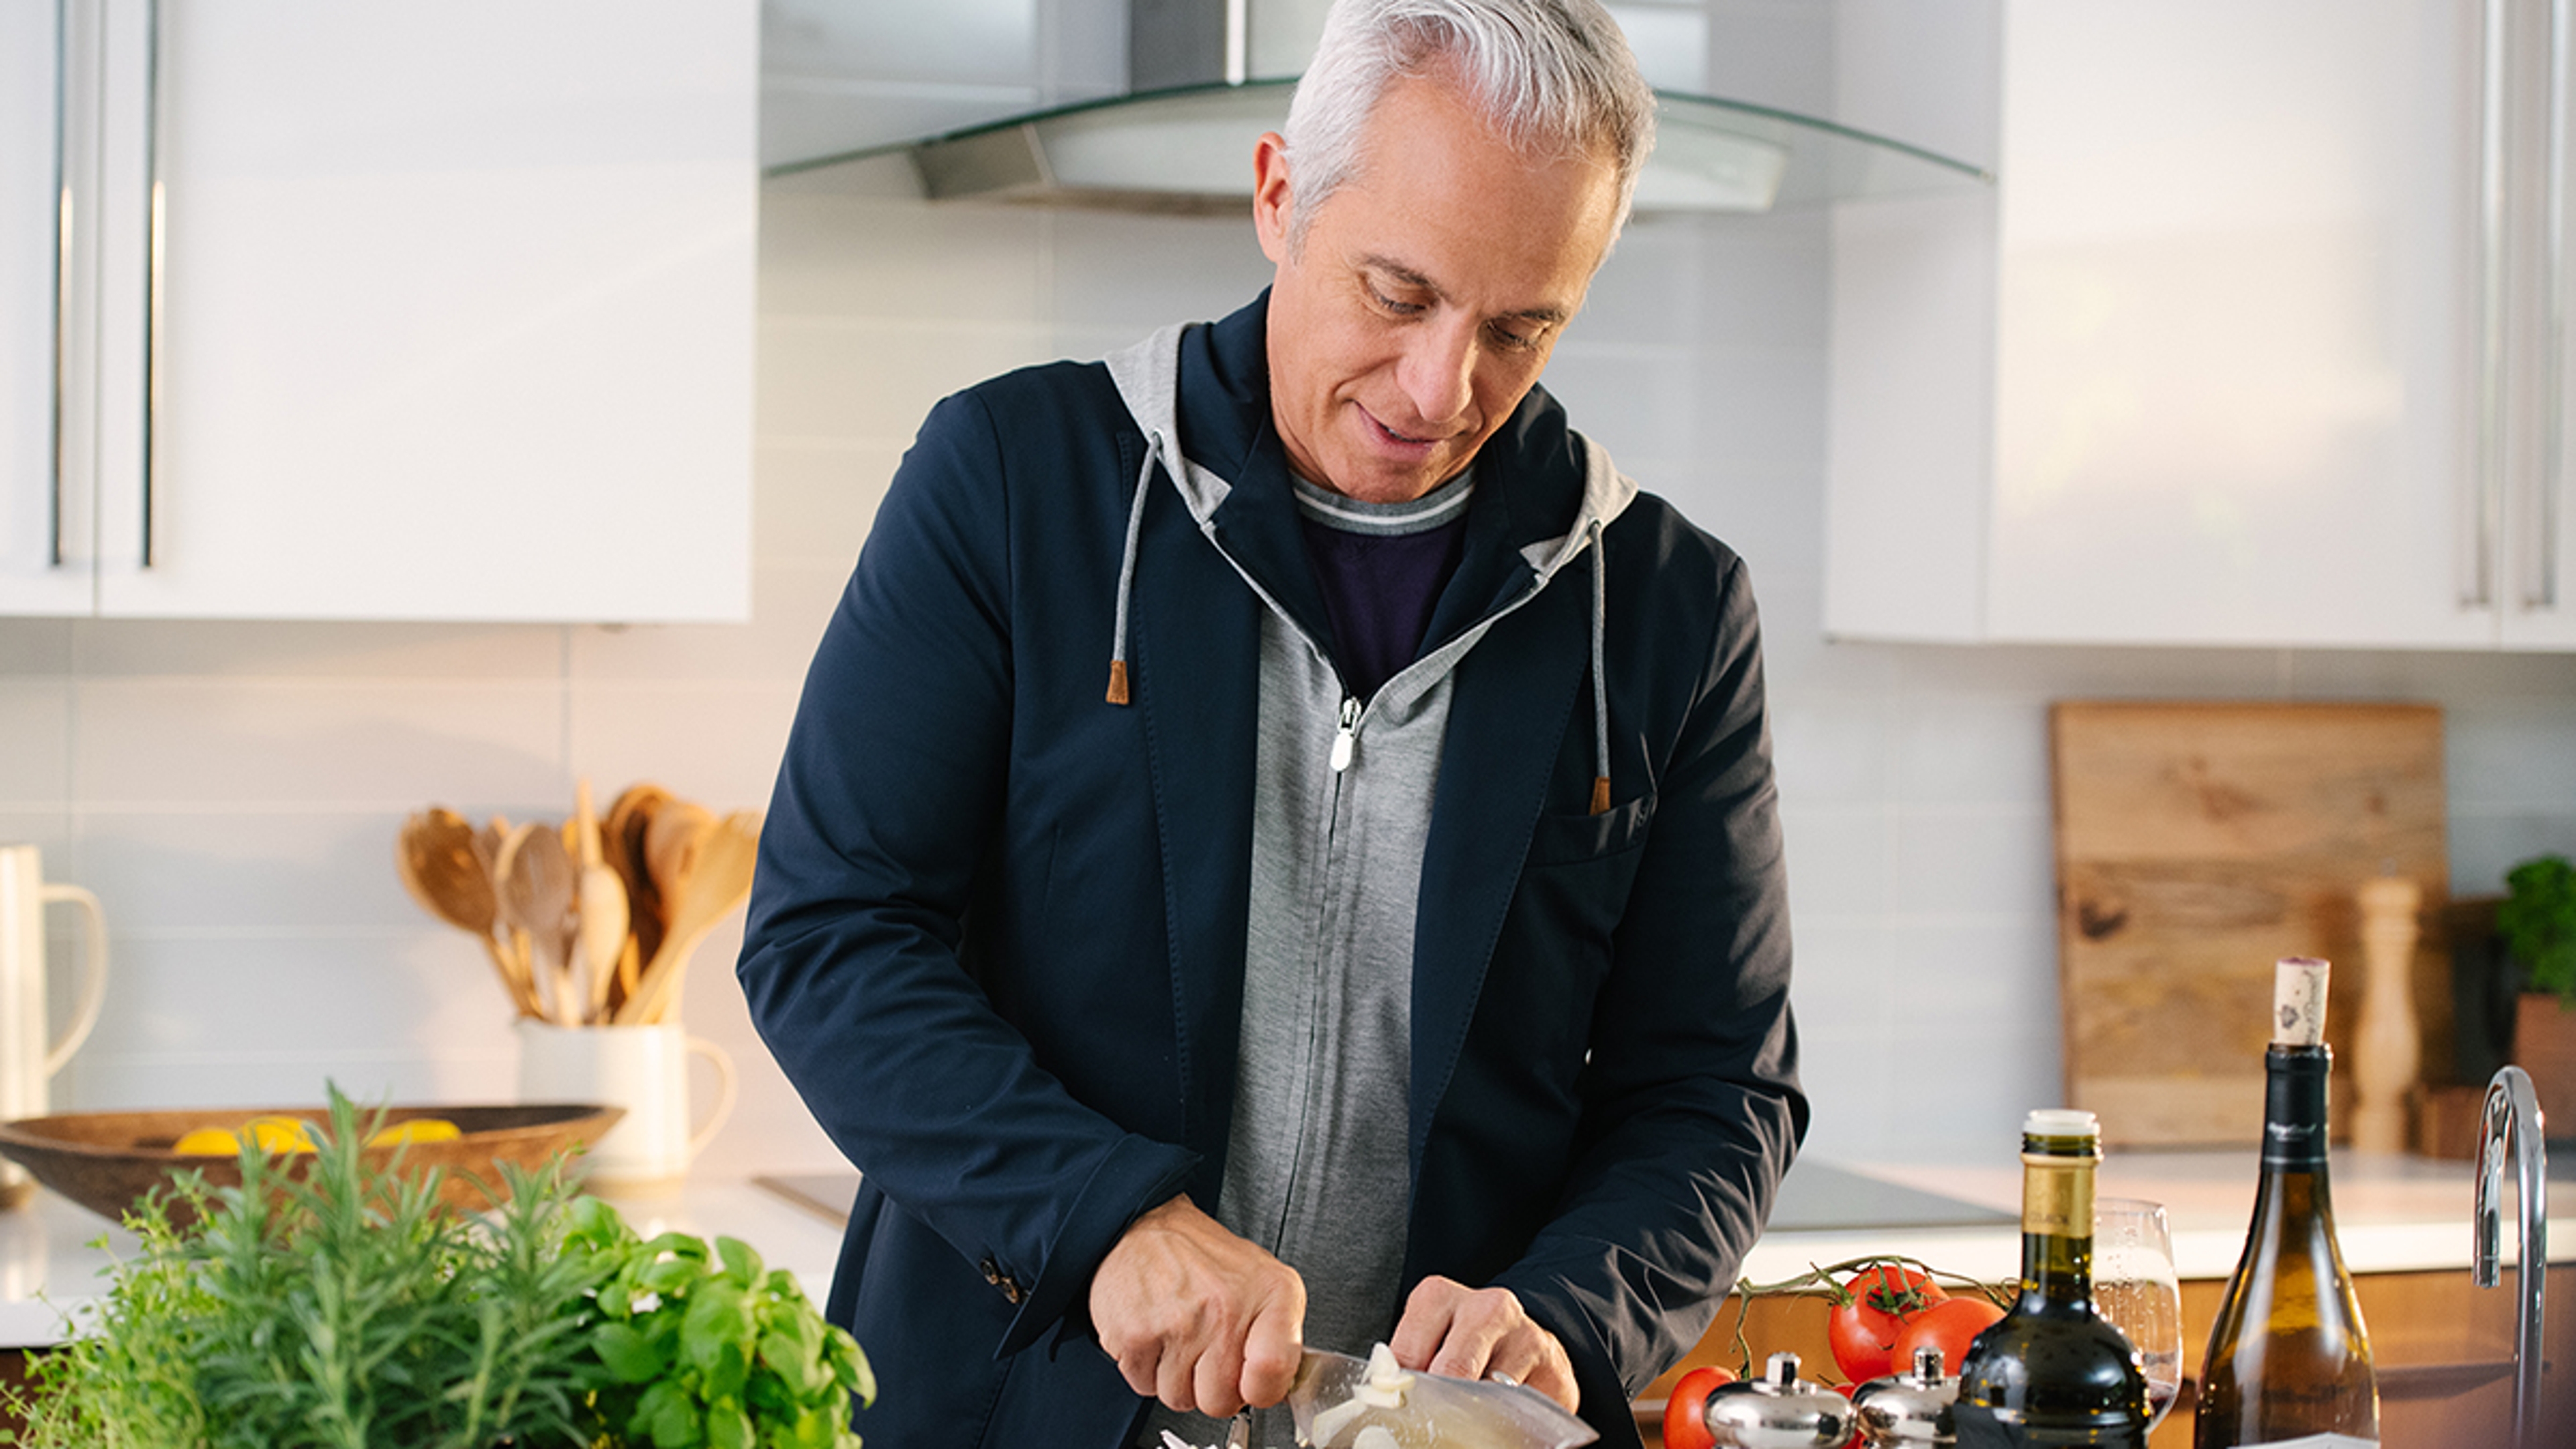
x=2386, y=1051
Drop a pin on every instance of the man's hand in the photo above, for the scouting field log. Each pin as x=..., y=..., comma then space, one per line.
x=1474, y=1333
x=1197, y=1317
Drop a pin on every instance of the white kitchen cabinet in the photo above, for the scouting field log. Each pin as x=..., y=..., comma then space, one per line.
x=41, y=321
x=2210, y=365
x=426, y=309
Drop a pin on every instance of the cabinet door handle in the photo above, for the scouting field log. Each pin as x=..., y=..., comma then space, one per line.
x=2540, y=581
x=62, y=279
x=2485, y=496
x=157, y=253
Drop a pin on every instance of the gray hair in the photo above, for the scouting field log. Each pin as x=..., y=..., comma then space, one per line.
x=1554, y=77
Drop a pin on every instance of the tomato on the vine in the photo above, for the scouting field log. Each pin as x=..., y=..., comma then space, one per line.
x=1685, y=1427
x=1878, y=1304
x=1950, y=1327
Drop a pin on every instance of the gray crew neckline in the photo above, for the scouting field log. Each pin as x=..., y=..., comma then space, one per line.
x=1438, y=508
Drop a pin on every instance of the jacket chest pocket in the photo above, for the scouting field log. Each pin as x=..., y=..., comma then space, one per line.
x=1576, y=876
x=1570, y=839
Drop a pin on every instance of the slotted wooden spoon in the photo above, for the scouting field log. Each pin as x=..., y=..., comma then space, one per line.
x=437, y=857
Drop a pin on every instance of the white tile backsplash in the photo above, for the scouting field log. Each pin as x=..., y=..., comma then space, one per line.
x=873, y=379
x=231, y=789
x=817, y=499
x=251, y=744
x=35, y=740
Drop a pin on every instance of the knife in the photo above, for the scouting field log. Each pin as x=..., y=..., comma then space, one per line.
x=1434, y=1411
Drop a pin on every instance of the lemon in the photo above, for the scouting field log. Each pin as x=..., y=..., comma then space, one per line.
x=418, y=1129
x=208, y=1142
x=280, y=1134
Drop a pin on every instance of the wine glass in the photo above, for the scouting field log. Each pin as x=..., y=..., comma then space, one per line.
x=2135, y=1291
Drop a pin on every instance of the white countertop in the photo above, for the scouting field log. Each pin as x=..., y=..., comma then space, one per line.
x=52, y=1258
x=2393, y=1214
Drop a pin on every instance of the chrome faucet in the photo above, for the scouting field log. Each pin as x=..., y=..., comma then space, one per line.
x=2512, y=1117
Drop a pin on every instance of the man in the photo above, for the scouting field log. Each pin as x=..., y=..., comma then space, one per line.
x=1398, y=951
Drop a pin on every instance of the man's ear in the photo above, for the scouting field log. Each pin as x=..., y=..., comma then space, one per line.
x=1270, y=197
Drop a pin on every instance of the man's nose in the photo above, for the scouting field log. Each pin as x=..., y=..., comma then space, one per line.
x=1439, y=369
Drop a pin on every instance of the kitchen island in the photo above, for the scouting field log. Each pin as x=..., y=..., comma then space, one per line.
x=2403, y=1223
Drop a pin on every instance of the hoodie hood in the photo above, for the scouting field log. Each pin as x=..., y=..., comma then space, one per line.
x=1549, y=490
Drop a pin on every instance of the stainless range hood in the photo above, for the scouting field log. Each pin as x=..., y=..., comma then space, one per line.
x=1208, y=77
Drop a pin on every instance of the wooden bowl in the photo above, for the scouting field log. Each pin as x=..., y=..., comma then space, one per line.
x=107, y=1161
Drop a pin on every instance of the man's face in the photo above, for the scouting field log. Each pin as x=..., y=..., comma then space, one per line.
x=1428, y=292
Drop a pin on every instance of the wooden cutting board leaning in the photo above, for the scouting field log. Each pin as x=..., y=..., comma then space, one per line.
x=2197, y=843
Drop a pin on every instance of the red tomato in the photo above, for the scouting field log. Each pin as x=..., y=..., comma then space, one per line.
x=1863, y=1330
x=1947, y=1326
x=1684, y=1428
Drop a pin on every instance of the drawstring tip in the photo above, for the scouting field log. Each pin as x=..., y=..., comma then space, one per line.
x=1600, y=794
x=1117, y=681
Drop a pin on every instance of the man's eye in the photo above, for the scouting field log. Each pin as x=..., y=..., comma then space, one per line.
x=1516, y=338
x=1400, y=309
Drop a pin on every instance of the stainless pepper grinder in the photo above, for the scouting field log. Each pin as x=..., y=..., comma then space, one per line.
x=1911, y=1409
x=1778, y=1411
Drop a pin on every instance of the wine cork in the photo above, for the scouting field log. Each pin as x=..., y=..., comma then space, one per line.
x=2299, y=1001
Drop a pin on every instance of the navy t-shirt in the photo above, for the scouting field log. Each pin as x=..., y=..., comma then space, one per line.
x=1381, y=567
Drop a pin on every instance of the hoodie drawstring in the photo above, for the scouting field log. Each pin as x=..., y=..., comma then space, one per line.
x=1118, y=693
x=1600, y=684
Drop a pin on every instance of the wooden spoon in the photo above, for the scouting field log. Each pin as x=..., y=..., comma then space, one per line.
x=537, y=886
x=603, y=908
x=622, y=841
x=671, y=844
x=718, y=880
x=438, y=858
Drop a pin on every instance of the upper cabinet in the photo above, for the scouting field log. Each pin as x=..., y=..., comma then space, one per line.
x=420, y=309
x=2252, y=344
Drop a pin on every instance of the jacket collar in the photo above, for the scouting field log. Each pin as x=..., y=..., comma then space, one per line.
x=1537, y=485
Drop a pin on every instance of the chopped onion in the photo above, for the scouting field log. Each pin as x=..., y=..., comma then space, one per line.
x=1330, y=1422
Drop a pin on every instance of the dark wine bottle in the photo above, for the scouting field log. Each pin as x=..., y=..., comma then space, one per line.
x=2289, y=1358
x=2052, y=1372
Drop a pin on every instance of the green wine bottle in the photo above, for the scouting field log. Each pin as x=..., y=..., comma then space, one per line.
x=2052, y=1372
x=2289, y=1358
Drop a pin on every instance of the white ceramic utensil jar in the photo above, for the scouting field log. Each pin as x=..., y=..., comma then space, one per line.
x=644, y=1069
x=29, y=1052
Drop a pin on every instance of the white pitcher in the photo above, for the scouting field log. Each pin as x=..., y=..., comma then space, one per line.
x=644, y=1069
x=28, y=1060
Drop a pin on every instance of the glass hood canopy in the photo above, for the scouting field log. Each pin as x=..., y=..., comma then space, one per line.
x=1189, y=148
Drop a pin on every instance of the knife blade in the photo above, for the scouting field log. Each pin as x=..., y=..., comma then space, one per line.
x=1434, y=1411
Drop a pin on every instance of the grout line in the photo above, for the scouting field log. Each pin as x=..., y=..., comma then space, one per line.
x=427, y=929
x=564, y=652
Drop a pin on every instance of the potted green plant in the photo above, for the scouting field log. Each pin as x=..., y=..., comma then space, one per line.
x=343, y=1307
x=2537, y=920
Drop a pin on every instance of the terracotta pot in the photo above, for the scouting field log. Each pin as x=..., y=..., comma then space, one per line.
x=2544, y=1044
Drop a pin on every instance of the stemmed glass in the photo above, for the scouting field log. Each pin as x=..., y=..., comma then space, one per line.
x=2135, y=1290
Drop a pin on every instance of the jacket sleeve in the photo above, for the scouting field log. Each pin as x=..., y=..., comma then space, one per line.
x=884, y=812
x=1692, y=1104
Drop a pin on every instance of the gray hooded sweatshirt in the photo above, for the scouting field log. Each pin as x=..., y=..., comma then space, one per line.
x=1317, y=1165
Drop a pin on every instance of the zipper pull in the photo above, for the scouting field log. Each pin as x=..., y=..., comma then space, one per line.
x=1347, y=735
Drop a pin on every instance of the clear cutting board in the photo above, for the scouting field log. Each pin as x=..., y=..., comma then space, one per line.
x=2197, y=843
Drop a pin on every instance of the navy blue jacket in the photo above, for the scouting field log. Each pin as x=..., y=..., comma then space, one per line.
x=997, y=933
